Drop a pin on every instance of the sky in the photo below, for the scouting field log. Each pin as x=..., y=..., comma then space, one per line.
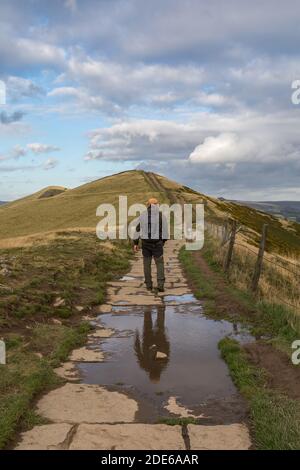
x=199, y=91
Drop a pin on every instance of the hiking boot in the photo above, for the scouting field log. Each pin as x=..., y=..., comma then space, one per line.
x=149, y=288
x=161, y=289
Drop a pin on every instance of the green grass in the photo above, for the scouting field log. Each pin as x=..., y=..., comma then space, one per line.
x=21, y=381
x=26, y=374
x=75, y=268
x=275, y=419
x=203, y=288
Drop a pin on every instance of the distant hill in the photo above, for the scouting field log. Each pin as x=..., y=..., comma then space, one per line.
x=2, y=202
x=56, y=208
x=288, y=209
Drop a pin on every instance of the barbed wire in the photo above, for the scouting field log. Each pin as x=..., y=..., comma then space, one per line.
x=270, y=261
x=291, y=305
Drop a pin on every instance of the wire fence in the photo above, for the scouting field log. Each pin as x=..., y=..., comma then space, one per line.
x=266, y=274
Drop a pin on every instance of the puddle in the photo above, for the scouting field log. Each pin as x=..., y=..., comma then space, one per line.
x=128, y=278
x=180, y=299
x=192, y=370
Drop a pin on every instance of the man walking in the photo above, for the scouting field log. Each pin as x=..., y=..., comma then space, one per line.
x=153, y=231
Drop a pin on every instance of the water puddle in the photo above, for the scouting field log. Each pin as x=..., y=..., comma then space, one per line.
x=128, y=278
x=191, y=369
x=180, y=299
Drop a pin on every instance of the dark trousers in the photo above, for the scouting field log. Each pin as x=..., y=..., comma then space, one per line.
x=154, y=250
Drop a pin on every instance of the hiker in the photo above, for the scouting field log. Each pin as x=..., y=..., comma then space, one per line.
x=153, y=231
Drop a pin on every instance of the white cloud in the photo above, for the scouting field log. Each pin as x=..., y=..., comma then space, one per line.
x=19, y=87
x=18, y=151
x=38, y=148
x=226, y=147
x=50, y=164
x=113, y=86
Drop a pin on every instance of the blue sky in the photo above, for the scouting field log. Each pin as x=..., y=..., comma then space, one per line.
x=198, y=91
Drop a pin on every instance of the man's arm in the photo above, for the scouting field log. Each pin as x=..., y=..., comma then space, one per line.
x=136, y=240
x=138, y=230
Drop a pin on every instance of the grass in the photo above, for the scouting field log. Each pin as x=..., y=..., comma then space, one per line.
x=74, y=267
x=27, y=374
x=202, y=287
x=275, y=418
x=72, y=208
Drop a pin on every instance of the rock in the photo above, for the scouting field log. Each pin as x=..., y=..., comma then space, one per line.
x=88, y=318
x=67, y=371
x=46, y=437
x=127, y=437
x=79, y=308
x=177, y=409
x=78, y=403
x=153, y=351
x=101, y=333
x=222, y=437
x=4, y=272
x=56, y=322
x=86, y=355
x=59, y=302
x=160, y=355
x=105, y=308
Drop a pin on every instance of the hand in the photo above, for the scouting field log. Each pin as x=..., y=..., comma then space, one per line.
x=135, y=248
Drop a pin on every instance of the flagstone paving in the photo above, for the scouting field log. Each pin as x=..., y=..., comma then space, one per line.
x=83, y=416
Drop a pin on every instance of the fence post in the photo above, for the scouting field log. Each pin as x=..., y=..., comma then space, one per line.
x=259, y=261
x=229, y=253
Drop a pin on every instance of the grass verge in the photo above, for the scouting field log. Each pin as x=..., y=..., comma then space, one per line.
x=29, y=372
x=275, y=418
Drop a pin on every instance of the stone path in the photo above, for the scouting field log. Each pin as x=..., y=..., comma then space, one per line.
x=85, y=416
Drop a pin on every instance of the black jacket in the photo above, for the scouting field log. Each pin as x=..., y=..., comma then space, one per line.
x=149, y=234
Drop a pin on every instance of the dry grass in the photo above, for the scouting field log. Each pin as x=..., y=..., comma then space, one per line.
x=43, y=238
x=72, y=208
x=279, y=282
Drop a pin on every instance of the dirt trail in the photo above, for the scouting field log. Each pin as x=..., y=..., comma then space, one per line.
x=91, y=416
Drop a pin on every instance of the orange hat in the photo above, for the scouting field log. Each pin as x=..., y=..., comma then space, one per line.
x=152, y=200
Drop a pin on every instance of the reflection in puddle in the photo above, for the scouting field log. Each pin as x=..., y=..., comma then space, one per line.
x=150, y=343
x=128, y=278
x=191, y=369
x=180, y=299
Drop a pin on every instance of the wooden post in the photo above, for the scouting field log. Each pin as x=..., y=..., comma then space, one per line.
x=259, y=261
x=228, y=257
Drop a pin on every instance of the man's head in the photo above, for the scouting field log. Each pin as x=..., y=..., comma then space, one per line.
x=152, y=201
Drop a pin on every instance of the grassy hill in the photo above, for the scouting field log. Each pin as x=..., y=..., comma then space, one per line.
x=286, y=209
x=52, y=275
x=55, y=208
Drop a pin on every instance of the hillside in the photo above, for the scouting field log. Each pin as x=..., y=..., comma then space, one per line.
x=287, y=209
x=56, y=208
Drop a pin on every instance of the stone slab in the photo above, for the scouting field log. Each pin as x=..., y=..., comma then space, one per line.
x=128, y=437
